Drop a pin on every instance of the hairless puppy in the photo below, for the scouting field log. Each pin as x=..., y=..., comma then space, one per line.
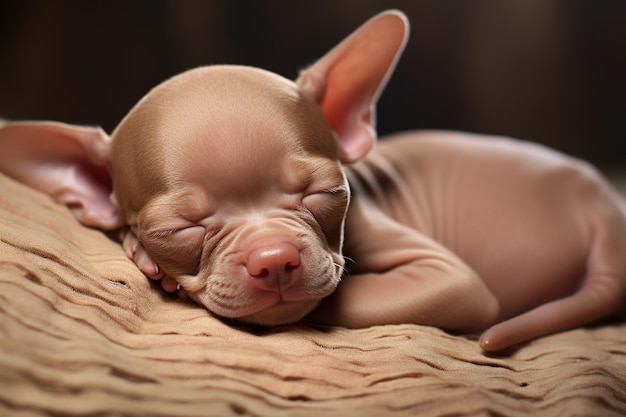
x=249, y=192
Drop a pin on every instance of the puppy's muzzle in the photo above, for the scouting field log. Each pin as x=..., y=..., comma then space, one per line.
x=275, y=267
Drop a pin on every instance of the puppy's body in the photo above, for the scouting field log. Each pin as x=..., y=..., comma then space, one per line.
x=483, y=198
x=235, y=184
x=506, y=208
x=536, y=226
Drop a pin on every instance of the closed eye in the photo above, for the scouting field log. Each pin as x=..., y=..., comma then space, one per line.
x=329, y=202
x=177, y=251
x=161, y=236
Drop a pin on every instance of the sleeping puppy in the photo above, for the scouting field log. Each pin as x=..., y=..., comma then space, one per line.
x=249, y=191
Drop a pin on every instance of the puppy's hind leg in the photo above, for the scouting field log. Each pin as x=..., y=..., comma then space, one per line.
x=603, y=293
x=597, y=299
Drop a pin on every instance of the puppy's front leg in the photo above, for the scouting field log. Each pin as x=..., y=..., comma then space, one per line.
x=402, y=276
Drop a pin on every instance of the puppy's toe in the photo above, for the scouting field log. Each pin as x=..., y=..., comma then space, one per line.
x=146, y=265
x=129, y=244
x=169, y=284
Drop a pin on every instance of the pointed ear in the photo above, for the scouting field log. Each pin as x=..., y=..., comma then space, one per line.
x=348, y=80
x=70, y=163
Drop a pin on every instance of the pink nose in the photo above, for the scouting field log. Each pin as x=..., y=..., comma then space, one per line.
x=275, y=267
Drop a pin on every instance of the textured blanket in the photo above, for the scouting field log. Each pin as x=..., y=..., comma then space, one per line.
x=84, y=333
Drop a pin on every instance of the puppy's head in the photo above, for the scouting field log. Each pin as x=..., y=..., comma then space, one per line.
x=231, y=180
x=230, y=176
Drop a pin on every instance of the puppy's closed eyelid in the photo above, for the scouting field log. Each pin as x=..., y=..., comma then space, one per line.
x=327, y=202
x=163, y=237
x=184, y=231
x=156, y=235
x=340, y=190
x=178, y=251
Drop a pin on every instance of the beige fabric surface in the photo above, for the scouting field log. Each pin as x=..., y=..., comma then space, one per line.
x=83, y=333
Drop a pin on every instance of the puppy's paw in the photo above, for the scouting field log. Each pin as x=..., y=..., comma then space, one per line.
x=137, y=253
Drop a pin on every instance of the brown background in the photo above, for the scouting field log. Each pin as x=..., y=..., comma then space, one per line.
x=549, y=71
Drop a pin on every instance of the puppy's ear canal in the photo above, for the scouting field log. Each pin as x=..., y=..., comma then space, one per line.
x=347, y=81
x=70, y=163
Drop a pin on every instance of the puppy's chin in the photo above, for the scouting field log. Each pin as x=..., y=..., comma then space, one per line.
x=285, y=312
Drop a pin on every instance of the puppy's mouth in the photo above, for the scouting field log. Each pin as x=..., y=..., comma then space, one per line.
x=262, y=308
x=281, y=313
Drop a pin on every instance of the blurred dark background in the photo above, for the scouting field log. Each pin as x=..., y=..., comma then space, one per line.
x=549, y=71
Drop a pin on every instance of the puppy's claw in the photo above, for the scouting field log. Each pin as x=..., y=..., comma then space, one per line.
x=136, y=253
